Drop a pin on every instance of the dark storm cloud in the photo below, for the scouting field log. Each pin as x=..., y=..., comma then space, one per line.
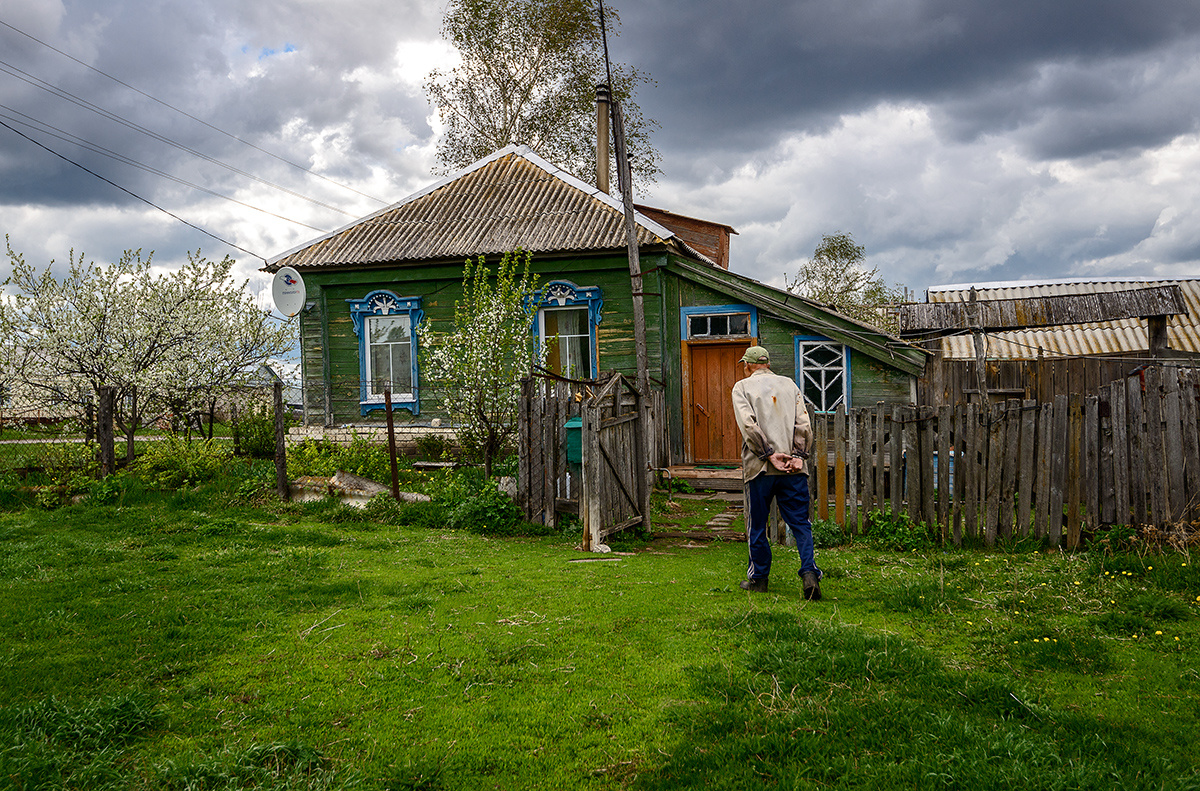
x=739, y=73
x=255, y=70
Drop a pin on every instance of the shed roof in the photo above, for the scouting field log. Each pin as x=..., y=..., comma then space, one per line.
x=510, y=199
x=1122, y=336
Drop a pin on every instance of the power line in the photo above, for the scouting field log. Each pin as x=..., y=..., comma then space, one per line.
x=85, y=104
x=67, y=137
x=189, y=115
x=133, y=194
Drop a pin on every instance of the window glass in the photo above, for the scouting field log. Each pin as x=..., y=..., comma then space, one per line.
x=718, y=325
x=389, y=354
x=567, y=341
x=823, y=374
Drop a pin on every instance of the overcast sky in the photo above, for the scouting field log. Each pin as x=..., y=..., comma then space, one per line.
x=957, y=141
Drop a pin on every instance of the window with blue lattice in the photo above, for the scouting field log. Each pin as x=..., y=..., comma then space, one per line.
x=823, y=372
x=566, y=324
x=386, y=326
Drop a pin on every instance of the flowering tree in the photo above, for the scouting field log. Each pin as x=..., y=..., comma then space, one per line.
x=129, y=327
x=479, y=364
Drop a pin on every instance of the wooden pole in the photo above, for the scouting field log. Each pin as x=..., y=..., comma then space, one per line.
x=391, y=429
x=980, y=355
x=281, y=476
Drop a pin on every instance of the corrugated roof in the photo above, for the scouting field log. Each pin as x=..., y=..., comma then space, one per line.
x=1124, y=336
x=511, y=199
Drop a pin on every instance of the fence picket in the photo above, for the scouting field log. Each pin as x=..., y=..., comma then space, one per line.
x=1025, y=476
x=1045, y=424
x=995, y=464
x=1074, y=471
x=1058, y=470
x=896, y=467
x=852, y=450
x=1008, y=476
x=839, y=462
x=1091, y=474
x=971, y=439
x=1191, y=441
x=1120, y=453
x=1173, y=444
x=1156, y=475
x=1135, y=411
x=926, y=450
x=945, y=461
x=821, y=468
x=1104, y=454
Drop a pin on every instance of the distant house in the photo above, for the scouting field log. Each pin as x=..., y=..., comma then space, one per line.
x=372, y=283
x=1038, y=345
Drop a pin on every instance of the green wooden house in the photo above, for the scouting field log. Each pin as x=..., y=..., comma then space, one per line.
x=371, y=283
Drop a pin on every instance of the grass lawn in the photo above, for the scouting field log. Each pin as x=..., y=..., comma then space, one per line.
x=183, y=642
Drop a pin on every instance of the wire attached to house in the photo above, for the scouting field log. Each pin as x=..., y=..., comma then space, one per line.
x=67, y=137
x=192, y=117
x=130, y=193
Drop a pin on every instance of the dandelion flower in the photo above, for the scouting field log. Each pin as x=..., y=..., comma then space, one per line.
x=1158, y=632
x=1149, y=568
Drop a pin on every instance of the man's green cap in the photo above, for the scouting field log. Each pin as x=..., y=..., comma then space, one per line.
x=756, y=355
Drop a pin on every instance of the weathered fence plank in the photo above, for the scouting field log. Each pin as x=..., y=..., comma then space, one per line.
x=1025, y=476
x=895, y=469
x=1045, y=430
x=945, y=459
x=1173, y=444
x=926, y=449
x=1135, y=411
x=1154, y=446
x=1090, y=471
x=821, y=468
x=1074, y=478
x=1120, y=453
x=1104, y=455
x=1191, y=441
x=1058, y=470
x=839, y=464
x=995, y=463
x=852, y=470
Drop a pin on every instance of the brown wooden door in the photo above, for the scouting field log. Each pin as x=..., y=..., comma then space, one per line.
x=714, y=370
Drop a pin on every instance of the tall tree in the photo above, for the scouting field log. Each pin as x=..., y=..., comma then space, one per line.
x=528, y=75
x=479, y=363
x=837, y=275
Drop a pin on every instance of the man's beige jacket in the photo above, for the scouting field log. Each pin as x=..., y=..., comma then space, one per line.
x=772, y=416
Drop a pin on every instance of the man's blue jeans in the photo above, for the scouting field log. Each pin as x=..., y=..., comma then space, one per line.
x=790, y=492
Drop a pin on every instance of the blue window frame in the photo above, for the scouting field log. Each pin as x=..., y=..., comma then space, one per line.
x=567, y=316
x=718, y=322
x=386, y=326
x=823, y=372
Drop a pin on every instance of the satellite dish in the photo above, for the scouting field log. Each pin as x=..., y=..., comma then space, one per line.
x=288, y=291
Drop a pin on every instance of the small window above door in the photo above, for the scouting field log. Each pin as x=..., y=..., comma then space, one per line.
x=718, y=322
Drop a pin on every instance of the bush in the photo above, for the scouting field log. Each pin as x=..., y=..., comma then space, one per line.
x=322, y=459
x=896, y=532
x=489, y=511
x=827, y=533
x=256, y=432
x=432, y=447
x=431, y=516
x=173, y=462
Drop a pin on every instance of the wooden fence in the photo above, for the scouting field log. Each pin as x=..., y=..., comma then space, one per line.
x=548, y=482
x=1129, y=454
x=956, y=381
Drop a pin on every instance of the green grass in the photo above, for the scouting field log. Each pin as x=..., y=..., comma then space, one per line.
x=194, y=641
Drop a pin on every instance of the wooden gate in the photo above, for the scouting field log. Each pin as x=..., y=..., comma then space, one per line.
x=616, y=490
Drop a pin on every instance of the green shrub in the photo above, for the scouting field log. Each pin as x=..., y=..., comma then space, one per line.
x=827, y=533
x=174, y=462
x=489, y=511
x=256, y=431
x=896, y=532
x=432, y=447
x=322, y=459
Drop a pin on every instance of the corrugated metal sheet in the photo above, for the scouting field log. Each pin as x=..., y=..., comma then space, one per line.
x=1125, y=336
x=511, y=199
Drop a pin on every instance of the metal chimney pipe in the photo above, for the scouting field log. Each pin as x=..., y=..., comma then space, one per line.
x=602, y=156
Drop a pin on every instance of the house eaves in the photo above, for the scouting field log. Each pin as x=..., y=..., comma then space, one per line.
x=811, y=315
x=508, y=200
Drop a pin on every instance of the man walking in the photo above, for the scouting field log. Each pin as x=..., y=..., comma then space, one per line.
x=776, y=435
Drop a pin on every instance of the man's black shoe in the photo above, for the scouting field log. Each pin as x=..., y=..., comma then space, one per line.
x=812, y=585
x=757, y=586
